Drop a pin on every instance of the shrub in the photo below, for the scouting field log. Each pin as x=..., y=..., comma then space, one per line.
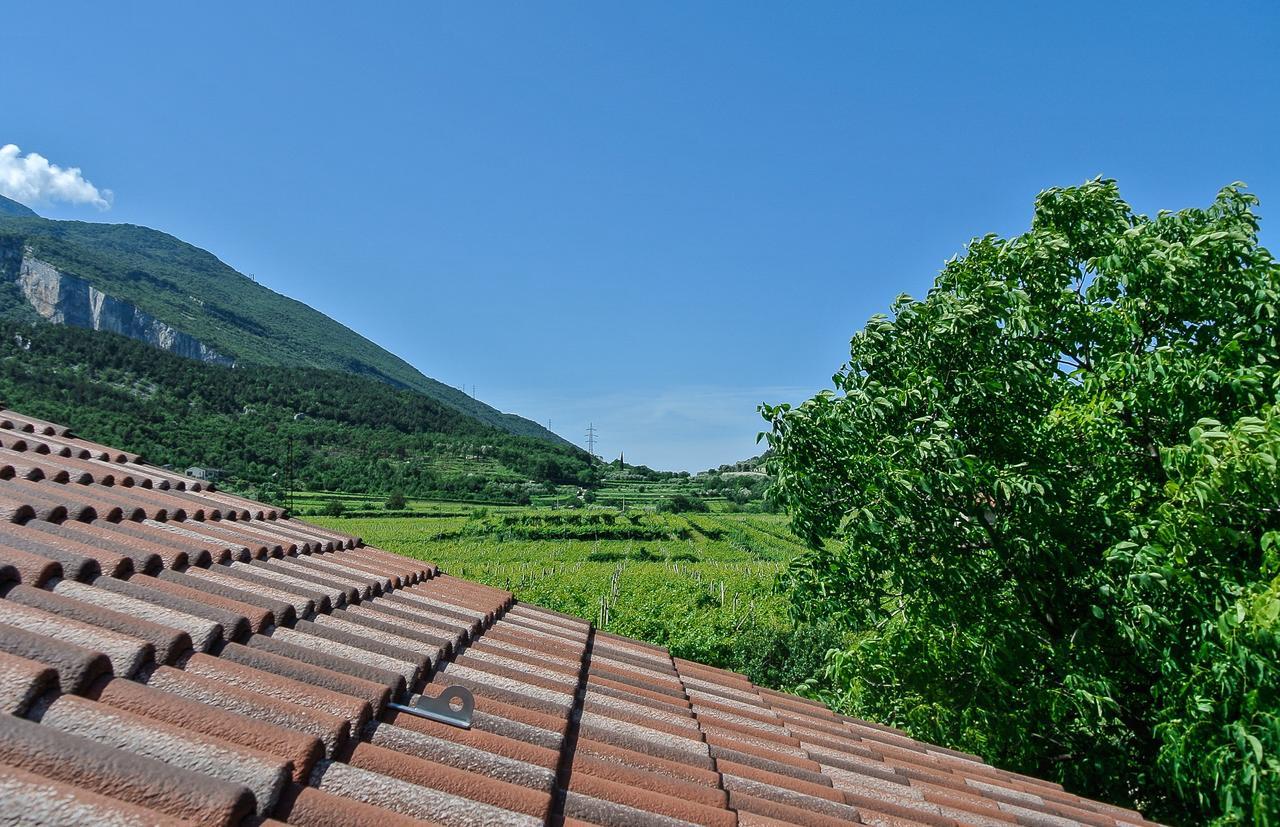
x=682, y=504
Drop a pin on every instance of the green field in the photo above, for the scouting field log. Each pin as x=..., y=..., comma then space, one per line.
x=703, y=585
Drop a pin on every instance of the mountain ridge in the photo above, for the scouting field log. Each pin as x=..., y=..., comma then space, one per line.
x=172, y=284
x=10, y=207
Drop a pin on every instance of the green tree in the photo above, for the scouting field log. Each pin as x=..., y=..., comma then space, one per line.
x=971, y=489
x=682, y=504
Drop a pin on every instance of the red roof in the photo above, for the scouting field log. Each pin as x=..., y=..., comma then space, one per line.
x=171, y=653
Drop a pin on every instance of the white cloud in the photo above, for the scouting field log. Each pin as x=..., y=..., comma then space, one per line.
x=31, y=179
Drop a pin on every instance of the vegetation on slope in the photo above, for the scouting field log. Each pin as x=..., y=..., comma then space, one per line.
x=729, y=488
x=10, y=207
x=1053, y=493
x=325, y=429
x=196, y=293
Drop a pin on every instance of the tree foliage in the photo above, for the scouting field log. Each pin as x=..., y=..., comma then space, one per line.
x=1021, y=503
x=682, y=504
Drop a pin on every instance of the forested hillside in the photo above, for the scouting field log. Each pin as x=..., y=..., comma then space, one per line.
x=334, y=431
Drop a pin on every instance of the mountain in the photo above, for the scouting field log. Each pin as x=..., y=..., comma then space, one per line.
x=260, y=426
x=150, y=286
x=10, y=207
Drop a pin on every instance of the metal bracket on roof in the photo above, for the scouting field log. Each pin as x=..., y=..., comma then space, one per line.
x=453, y=706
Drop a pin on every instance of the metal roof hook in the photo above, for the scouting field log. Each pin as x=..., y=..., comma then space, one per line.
x=453, y=706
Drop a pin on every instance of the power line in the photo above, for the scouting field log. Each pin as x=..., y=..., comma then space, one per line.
x=591, y=439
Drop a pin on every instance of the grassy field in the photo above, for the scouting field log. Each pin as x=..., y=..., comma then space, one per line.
x=703, y=585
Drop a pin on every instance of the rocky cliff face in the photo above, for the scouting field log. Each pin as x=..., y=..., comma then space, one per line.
x=65, y=299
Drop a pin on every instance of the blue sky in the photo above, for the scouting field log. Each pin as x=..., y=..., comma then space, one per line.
x=648, y=215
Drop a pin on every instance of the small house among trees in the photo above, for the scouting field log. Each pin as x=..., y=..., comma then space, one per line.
x=205, y=474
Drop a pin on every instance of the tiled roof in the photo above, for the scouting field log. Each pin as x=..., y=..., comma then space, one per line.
x=170, y=653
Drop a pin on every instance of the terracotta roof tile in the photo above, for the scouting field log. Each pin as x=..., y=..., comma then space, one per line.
x=238, y=619
x=299, y=749
x=33, y=798
x=347, y=566
x=678, y=807
x=281, y=611
x=208, y=625
x=328, y=660
x=22, y=681
x=309, y=635
x=199, y=552
x=332, y=730
x=437, y=631
x=73, y=554
x=144, y=548
x=78, y=667
x=221, y=576
x=83, y=763
x=412, y=799
x=287, y=690
x=460, y=782
x=484, y=761
x=376, y=695
x=166, y=644
x=323, y=598
x=496, y=735
x=29, y=424
x=356, y=589
x=126, y=653
x=264, y=775
x=309, y=807
x=203, y=634
x=405, y=645
x=146, y=616
x=677, y=785
x=25, y=567
x=598, y=811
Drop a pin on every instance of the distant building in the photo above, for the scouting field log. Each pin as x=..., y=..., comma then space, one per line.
x=206, y=474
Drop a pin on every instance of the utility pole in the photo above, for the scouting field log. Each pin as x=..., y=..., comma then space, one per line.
x=591, y=439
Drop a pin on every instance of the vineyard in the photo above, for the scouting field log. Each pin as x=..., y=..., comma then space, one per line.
x=628, y=494
x=721, y=492
x=703, y=585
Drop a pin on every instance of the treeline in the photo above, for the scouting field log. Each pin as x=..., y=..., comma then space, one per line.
x=267, y=426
